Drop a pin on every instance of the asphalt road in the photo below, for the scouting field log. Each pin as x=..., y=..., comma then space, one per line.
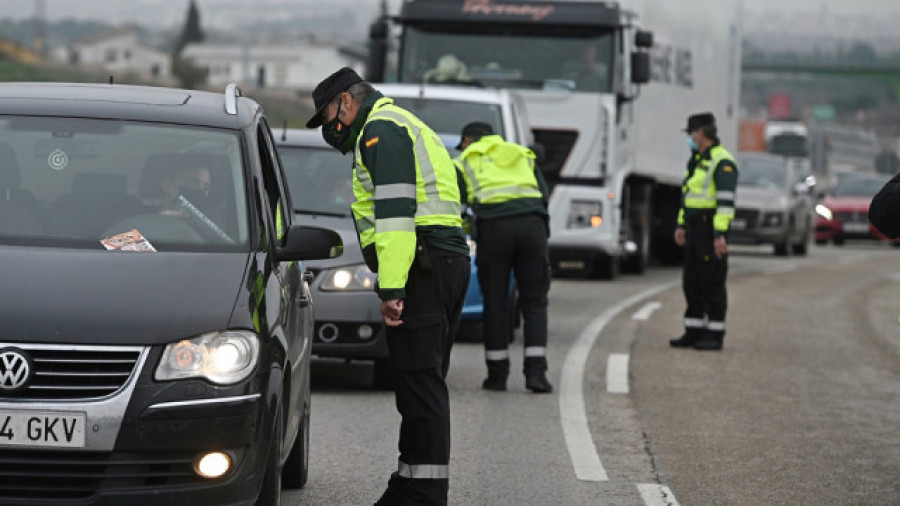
x=802, y=406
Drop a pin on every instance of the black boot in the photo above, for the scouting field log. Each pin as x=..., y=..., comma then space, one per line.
x=494, y=382
x=686, y=340
x=710, y=341
x=538, y=383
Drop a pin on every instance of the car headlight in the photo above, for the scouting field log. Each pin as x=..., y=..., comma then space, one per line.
x=585, y=214
x=824, y=212
x=773, y=219
x=348, y=279
x=223, y=358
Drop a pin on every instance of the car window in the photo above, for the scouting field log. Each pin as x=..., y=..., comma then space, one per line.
x=859, y=187
x=450, y=116
x=276, y=190
x=74, y=182
x=762, y=173
x=319, y=179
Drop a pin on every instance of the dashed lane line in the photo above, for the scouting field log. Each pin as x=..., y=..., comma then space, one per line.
x=617, y=373
x=656, y=495
x=573, y=417
x=646, y=311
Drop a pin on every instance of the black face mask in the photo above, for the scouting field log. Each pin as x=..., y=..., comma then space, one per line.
x=336, y=133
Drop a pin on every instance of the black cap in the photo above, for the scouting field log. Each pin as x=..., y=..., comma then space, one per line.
x=329, y=88
x=700, y=120
x=474, y=129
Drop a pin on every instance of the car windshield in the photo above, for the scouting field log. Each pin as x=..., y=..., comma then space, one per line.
x=762, y=173
x=319, y=179
x=448, y=117
x=72, y=182
x=858, y=187
x=564, y=58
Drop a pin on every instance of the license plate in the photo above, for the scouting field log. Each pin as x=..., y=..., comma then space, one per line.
x=738, y=224
x=42, y=429
x=855, y=227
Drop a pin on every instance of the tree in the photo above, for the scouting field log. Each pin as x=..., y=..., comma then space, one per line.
x=188, y=74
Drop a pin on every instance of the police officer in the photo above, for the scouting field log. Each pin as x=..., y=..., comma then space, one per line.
x=407, y=214
x=707, y=208
x=508, y=195
x=884, y=212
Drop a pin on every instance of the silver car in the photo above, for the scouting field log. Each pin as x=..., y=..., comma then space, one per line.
x=773, y=204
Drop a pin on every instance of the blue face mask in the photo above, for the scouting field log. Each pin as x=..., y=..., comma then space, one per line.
x=692, y=144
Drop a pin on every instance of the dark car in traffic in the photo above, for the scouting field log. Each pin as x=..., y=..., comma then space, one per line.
x=773, y=204
x=844, y=212
x=155, y=321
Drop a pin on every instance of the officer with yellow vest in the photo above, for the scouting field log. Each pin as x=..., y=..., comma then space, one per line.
x=707, y=208
x=508, y=196
x=407, y=214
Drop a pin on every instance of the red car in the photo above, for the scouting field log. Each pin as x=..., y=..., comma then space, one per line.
x=844, y=213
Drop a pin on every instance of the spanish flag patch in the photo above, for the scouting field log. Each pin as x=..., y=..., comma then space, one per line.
x=371, y=142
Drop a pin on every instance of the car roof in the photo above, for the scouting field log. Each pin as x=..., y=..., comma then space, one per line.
x=125, y=102
x=301, y=137
x=444, y=92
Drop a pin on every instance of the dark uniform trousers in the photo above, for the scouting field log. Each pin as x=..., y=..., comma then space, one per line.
x=704, y=279
x=420, y=355
x=518, y=245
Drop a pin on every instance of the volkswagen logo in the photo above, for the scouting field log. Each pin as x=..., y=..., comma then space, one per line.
x=15, y=369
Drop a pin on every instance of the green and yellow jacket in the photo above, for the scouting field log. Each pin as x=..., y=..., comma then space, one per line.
x=709, y=188
x=406, y=191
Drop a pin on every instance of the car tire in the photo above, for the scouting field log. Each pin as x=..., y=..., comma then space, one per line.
x=783, y=247
x=270, y=488
x=295, y=472
x=382, y=374
x=838, y=241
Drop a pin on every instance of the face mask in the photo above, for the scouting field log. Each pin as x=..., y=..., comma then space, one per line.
x=692, y=144
x=336, y=133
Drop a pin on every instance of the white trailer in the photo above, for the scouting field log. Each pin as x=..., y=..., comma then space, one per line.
x=614, y=150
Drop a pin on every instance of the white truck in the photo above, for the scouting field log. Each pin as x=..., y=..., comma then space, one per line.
x=614, y=153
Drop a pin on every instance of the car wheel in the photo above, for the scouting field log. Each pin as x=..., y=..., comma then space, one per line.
x=296, y=469
x=838, y=241
x=783, y=248
x=270, y=489
x=382, y=374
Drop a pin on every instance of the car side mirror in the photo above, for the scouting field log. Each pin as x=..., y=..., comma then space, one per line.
x=303, y=242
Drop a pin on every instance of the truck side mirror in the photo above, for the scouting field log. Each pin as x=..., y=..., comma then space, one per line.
x=640, y=68
x=377, y=58
x=643, y=39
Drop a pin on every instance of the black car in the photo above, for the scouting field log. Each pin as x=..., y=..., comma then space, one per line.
x=155, y=320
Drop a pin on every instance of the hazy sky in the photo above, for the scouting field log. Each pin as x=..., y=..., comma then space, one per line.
x=165, y=13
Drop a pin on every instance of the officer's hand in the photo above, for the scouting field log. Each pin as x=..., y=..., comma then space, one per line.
x=679, y=236
x=391, y=310
x=720, y=246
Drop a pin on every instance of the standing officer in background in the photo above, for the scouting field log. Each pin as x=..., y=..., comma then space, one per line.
x=508, y=195
x=707, y=208
x=407, y=214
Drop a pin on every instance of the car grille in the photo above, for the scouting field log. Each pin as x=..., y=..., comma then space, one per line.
x=75, y=372
x=73, y=476
x=852, y=217
x=749, y=216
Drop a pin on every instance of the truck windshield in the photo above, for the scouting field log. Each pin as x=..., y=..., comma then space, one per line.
x=788, y=145
x=509, y=60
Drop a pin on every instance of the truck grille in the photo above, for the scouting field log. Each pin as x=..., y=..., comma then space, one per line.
x=62, y=477
x=75, y=372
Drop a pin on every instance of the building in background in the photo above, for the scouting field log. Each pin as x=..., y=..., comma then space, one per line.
x=283, y=66
x=118, y=52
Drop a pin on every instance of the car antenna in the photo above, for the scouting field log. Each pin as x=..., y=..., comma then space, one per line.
x=284, y=131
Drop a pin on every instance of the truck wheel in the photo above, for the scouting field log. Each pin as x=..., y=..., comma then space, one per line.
x=607, y=267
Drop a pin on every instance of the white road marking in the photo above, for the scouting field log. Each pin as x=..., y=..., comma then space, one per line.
x=644, y=313
x=573, y=416
x=656, y=495
x=617, y=373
